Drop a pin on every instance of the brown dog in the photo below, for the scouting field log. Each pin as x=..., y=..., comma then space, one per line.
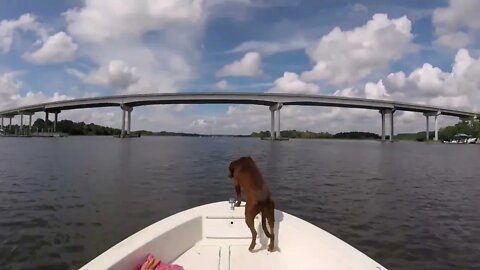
x=247, y=176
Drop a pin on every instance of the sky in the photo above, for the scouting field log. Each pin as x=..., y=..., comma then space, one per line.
x=425, y=52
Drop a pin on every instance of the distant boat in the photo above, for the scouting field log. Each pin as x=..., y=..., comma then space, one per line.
x=472, y=140
x=461, y=138
x=215, y=236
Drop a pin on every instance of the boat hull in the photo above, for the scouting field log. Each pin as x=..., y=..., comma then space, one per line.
x=213, y=236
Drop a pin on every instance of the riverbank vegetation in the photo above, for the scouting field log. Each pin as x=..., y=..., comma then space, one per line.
x=69, y=127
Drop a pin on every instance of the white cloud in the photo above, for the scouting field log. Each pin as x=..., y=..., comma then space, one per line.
x=357, y=7
x=291, y=83
x=425, y=85
x=8, y=28
x=223, y=85
x=376, y=90
x=10, y=97
x=249, y=66
x=10, y=93
x=347, y=92
x=431, y=85
x=37, y=97
x=458, y=20
x=458, y=89
x=112, y=30
x=454, y=40
x=117, y=75
x=271, y=47
x=343, y=57
x=56, y=49
x=9, y=85
x=99, y=21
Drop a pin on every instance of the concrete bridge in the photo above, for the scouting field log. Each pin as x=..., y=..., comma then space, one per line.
x=274, y=101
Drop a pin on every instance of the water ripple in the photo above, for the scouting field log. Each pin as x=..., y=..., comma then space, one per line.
x=73, y=198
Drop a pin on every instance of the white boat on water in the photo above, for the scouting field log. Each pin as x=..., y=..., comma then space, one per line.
x=215, y=236
x=461, y=138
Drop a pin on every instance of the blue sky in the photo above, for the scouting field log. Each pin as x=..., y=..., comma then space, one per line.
x=51, y=50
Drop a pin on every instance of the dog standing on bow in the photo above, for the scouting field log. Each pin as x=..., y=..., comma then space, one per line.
x=247, y=177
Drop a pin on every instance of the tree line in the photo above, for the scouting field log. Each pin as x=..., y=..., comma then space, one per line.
x=471, y=128
x=296, y=134
x=75, y=128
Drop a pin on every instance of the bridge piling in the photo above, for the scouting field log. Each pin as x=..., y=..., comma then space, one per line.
x=55, y=120
x=126, y=109
x=391, y=125
x=435, y=115
x=272, y=123
x=382, y=112
x=21, y=124
x=427, y=133
x=30, y=124
x=2, y=122
x=122, y=135
x=278, y=124
x=46, y=121
x=129, y=120
x=275, y=134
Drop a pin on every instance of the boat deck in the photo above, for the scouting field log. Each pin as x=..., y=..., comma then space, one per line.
x=229, y=257
x=215, y=237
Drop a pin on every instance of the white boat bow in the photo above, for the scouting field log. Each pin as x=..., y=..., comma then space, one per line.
x=215, y=236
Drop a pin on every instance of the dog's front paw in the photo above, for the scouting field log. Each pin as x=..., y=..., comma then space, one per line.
x=271, y=248
x=238, y=204
x=251, y=247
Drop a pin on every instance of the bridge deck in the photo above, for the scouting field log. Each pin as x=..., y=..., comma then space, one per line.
x=266, y=99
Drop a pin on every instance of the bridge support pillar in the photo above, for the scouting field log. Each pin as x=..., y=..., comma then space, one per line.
x=427, y=115
x=21, y=124
x=122, y=134
x=382, y=112
x=55, y=121
x=10, y=124
x=125, y=109
x=275, y=108
x=427, y=130
x=392, y=130
x=129, y=120
x=279, y=107
x=272, y=123
x=46, y=122
x=2, y=122
x=30, y=124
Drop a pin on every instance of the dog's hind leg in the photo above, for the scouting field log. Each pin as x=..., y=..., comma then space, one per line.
x=250, y=212
x=269, y=212
x=264, y=225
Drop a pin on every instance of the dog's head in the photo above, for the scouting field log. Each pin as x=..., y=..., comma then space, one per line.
x=236, y=163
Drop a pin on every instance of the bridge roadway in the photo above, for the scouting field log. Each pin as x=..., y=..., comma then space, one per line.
x=273, y=100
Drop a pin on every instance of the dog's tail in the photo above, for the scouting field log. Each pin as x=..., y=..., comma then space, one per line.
x=268, y=212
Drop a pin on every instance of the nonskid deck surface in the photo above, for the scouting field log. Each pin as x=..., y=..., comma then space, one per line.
x=225, y=246
x=229, y=257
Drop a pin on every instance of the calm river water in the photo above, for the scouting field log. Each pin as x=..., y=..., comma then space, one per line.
x=63, y=201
